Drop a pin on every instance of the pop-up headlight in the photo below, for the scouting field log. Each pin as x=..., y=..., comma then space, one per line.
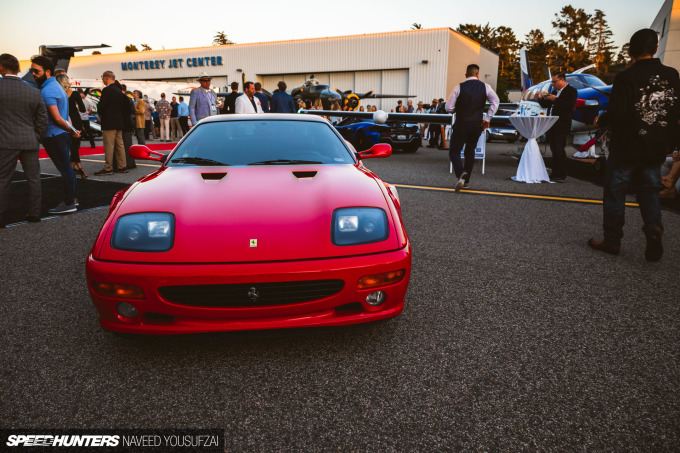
x=144, y=232
x=354, y=226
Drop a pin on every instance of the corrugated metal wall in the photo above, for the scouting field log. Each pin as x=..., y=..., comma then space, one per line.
x=417, y=62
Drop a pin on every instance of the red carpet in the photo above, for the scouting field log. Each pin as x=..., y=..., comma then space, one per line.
x=87, y=151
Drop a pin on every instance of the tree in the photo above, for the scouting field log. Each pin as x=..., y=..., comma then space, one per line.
x=501, y=40
x=573, y=28
x=602, y=50
x=145, y=48
x=416, y=26
x=131, y=48
x=221, y=39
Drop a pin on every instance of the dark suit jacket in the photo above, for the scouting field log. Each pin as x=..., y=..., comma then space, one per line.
x=282, y=102
x=23, y=116
x=230, y=102
x=563, y=107
x=111, y=107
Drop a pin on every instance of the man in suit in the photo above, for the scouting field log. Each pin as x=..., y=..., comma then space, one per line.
x=22, y=124
x=112, y=105
x=264, y=100
x=468, y=102
x=247, y=102
x=202, y=102
x=230, y=99
x=282, y=102
x=560, y=103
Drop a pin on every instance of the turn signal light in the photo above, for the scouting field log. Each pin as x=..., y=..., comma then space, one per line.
x=118, y=291
x=386, y=278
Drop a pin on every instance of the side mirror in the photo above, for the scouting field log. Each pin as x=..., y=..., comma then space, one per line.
x=142, y=152
x=378, y=150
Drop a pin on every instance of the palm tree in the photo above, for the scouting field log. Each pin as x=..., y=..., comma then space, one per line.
x=416, y=26
x=145, y=47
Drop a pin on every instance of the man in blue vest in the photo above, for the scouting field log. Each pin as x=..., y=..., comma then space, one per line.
x=467, y=102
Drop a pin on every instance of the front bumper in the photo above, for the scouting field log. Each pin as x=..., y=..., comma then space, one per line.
x=503, y=134
x=157, y=315
x=397, y=143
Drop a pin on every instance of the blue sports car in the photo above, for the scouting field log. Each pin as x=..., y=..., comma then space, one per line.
x=364, y=133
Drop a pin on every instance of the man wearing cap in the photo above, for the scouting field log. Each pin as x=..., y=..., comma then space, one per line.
x=202, y=102
x=282, y=102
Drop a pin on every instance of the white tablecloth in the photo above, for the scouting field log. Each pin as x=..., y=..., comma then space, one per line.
x=531, y=168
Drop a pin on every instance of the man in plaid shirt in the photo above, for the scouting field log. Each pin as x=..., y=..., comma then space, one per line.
x=163, y=108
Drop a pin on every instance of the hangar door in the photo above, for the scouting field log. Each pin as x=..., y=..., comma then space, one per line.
x=390, y=81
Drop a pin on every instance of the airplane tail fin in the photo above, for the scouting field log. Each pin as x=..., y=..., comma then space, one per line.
x=525, y=69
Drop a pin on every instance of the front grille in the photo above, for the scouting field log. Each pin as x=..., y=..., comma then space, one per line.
x=251, y=294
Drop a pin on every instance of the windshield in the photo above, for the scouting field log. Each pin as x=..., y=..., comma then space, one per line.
x=594, y=81
x=261, y=142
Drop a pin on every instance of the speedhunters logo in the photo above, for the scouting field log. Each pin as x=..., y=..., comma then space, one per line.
x=36, y=440
x=203, y=440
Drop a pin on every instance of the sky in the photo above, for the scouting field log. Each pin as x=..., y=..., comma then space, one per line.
x=174, y=24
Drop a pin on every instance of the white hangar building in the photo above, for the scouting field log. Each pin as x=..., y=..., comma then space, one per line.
x=425, y=63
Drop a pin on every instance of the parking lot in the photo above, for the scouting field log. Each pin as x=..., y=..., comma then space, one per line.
x=515, y=336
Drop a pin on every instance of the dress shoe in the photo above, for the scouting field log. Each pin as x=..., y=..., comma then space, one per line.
x=654, y=249
x=604, y=247
x=33, y=218
x=103, y=172
x=461, y=181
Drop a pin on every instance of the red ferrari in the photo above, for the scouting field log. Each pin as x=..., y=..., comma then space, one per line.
x=252, y=222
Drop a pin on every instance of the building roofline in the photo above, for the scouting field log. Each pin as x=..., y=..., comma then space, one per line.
x=327, y=38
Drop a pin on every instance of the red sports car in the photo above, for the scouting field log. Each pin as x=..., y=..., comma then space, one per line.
x=252, y=222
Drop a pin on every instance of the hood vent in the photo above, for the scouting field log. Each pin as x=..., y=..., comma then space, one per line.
x=213, y=176
x=304, y=174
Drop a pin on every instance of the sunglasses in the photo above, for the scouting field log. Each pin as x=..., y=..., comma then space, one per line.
x=35, y=71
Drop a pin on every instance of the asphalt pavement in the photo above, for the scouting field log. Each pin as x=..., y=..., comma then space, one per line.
x=515, y=336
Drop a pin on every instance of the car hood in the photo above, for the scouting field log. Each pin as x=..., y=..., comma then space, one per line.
x=286, y=209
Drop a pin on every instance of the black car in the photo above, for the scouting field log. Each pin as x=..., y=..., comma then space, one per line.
x=501, y=128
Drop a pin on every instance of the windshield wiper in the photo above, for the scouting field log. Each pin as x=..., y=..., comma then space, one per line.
x=198, y=161
x=285, y=162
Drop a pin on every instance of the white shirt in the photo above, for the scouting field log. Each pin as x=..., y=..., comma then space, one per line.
x=490, y=95
x=243, y=104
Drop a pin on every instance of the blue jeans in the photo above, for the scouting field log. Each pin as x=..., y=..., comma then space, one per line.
x=647, y=183
x=57, y=148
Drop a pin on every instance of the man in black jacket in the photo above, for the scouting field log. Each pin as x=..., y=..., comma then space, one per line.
x=111, y=108
x=560, y=103
x=230, y=100
x=642, y=115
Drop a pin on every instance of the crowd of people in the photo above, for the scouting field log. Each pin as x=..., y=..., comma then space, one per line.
x=643, y=115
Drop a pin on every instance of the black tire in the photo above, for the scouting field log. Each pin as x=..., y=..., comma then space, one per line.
x=512, y=140
x=411, y=149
